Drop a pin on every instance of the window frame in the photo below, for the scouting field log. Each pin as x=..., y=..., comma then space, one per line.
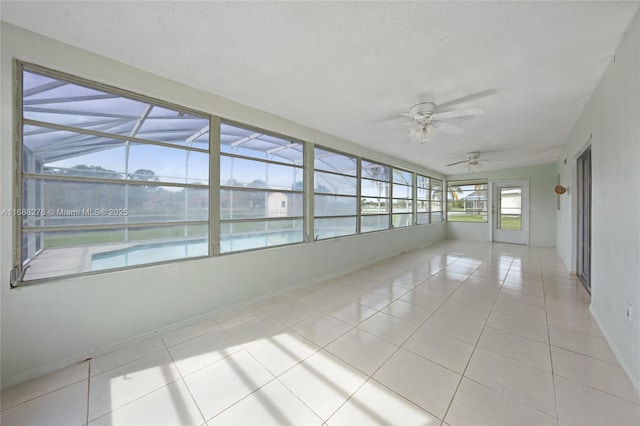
x=389, y=198
x=214, y=219
x=218, y=157
x=469, y=182
x=356, y=196
x=21, y=265
x=411, y=200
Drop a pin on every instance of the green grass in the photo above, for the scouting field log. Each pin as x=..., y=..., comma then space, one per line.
x=466, y=218
x=71, y=239
x=511, y=223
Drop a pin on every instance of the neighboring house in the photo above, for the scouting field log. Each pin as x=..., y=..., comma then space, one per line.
x=277, y=205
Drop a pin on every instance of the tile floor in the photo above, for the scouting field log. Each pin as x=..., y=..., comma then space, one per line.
x=457, y=334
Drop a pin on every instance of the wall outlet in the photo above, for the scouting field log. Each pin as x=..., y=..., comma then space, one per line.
x=629, y=309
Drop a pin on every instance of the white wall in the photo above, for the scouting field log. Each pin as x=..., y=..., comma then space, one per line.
x=47, y=326
x=610, y=123
x=542, y=205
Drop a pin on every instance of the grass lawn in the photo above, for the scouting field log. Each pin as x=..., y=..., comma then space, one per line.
x=79, y=238
x=510, y=223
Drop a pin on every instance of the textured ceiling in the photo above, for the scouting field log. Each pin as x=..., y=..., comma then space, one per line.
x=351, y=68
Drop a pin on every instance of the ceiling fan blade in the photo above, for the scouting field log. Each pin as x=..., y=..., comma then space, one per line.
x=471, y=97
x=448, y=128
x=459, y=162
x=459, y=113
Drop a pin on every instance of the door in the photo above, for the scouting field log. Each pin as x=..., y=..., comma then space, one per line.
x=583, y=264
x=510, y=211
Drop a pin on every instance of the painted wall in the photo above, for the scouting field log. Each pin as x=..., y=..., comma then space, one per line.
x=542, y=205
x=610, y=124
x=48, y=326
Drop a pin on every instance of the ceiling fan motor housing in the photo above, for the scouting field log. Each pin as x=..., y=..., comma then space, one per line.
x=424, y=109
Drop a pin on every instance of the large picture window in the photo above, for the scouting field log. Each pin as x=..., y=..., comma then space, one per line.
x=261, y=189
x=467, y=201
x=109, y=180
x=335, y=194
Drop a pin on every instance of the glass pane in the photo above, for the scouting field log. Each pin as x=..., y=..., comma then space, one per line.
x=436, y=184
x=374, y=223
x=402, y=206
x=259, y=234
x=240, y=172
x=240, y=204
x=423, y=218
x=161, y=164
x=423, y=181
x=333, y=162
x=436, y=217
x=64, y=203
x=328, y=183
x=254, y=143
x=73, y=252
x=402, y=191
x=374, y=188
x=402, y=177
x=402, y=220
x=422, y=194
x=334, y=227
x=57, y=101
x=422, y=206
x=374, y=205
x=510, y=217
x=375, y=171
x=328, y=205
x=73, y=154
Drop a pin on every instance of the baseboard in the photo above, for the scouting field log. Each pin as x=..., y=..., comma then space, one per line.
x=635, y=380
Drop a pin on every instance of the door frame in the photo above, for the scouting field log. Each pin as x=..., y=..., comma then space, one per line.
x=583, y=218
x=524, y=206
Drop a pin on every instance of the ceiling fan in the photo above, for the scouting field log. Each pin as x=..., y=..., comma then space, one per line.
x=473, y=161
x=425, y=121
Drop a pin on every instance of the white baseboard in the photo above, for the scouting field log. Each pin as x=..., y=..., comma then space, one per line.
x=635, y=380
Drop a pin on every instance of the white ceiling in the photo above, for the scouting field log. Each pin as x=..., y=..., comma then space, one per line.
x=351, y=68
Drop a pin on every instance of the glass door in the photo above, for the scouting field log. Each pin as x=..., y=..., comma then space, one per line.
x=510, y=212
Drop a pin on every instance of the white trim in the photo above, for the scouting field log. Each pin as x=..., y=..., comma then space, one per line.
x=635, y=380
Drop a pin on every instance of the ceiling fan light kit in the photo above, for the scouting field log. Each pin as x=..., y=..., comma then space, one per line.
x=425, y=121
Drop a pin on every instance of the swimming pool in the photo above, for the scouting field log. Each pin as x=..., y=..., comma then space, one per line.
x=141, y=254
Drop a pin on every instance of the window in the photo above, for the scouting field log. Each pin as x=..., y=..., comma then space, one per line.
x=335, y=194
x=402, y=206
x=467, y=201
x=423, y=195
x=261, y=189
x=436, y=201
x=109, y=179
x=374, y=196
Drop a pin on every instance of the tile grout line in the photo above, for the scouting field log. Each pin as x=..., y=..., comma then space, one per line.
x=462, y=376
x=553, y=374
x=183, y=380
x=392, y=354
